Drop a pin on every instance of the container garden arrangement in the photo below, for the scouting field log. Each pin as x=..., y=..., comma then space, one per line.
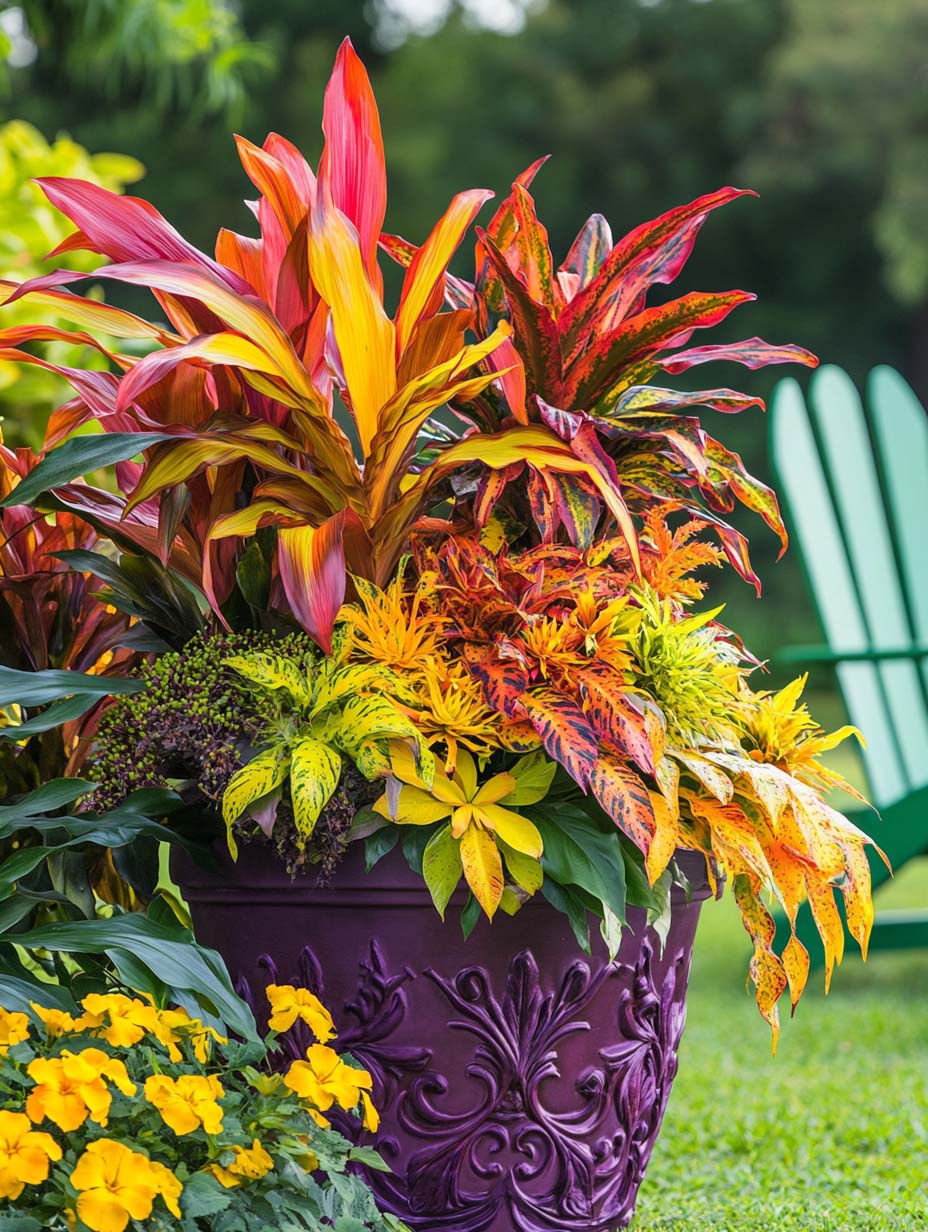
x=390, y=621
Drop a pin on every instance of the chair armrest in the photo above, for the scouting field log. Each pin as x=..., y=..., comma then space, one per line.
x=825, y=654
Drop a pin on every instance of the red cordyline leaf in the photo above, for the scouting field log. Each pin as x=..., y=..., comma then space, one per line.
x=655, y=252
x=536, y=333
x=642, y=337
x=752, y=353
x=588, y=251
x=313, y=572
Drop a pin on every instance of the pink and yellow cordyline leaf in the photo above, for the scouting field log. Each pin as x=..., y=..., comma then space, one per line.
x=244, y=256
x=90, y=312
x=655, y=252
x=289, y=198
x=16, y=335
x=643, y=336
x=244, y=316
x=352, y=170
x=752, y=353
x=124, y=228
x=209, y=349
x=364, y=333
x=312, y=570
x=423, y=286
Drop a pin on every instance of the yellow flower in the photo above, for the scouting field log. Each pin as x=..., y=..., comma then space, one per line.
x=169, y=1187
x=115, y=1185
x=24, y=1154
x=187, y=1102
x=129, y=1019
x=55, y=1022
x=289, y=1003
x=176, y=1025
x=14, y=1028
x=248, y=1164
x=71, y=1088
x=324, y=1079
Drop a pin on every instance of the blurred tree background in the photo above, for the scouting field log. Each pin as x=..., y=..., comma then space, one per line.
x=643, y=104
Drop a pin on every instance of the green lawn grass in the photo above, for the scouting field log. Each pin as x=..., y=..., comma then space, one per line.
x=832, y=1134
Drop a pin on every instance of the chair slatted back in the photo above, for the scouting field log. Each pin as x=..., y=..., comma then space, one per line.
x=858, y=505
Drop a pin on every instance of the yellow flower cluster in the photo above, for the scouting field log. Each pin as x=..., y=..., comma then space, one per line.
x=74, y=1083
x=323, y=1079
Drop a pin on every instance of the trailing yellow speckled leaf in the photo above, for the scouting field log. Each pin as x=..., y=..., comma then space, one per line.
x=665, y=838
x=525, y=871
x=754, y=915
x=715, y=781
x=441, y=867
x=483, y=868
x=858, y=905
x=770, y=983
x=623, y=797
x=789, y=875
x=314, y=775
x=796, y=965
x=828, y=923
x=255, y=779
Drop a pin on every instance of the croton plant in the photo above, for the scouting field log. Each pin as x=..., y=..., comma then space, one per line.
x=426, y=575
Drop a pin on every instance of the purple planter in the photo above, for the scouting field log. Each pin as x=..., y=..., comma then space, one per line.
x=521, y=1083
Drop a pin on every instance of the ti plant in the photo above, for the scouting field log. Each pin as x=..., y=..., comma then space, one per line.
x=485, y=510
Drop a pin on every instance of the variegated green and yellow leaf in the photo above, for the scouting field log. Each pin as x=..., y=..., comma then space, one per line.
x=314, y=773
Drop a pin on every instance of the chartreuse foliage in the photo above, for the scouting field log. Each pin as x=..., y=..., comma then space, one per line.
x=492, y=548
x=116, y=1111
x=318, y=714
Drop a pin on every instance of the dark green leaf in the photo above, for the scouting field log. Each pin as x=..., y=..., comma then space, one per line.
x=38, y=688
x=470, y=914
x=56, y=793
x=378, y=845
x=171, y=954
x=53, y=716
x=578, y=853
x=78, y=456
x=563, y=898
x=203, y=1196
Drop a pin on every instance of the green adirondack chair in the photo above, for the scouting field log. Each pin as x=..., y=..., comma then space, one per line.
x=855, y=489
